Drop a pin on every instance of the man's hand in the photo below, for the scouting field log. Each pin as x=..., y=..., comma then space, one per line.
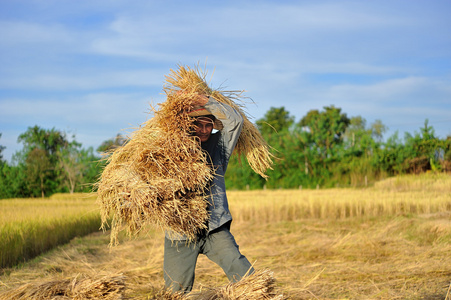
x=200, y=99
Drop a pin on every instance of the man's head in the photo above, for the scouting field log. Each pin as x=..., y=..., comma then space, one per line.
x=203, y=126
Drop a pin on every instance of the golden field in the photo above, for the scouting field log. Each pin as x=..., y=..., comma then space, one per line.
x=390, y=241
x=29, y=227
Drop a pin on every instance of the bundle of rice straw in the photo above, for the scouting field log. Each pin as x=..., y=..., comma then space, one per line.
x=106, y=288
x=250, y=143
x=158, y=177
x=259, y=285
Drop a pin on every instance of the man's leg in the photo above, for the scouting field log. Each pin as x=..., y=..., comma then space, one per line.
x=179, y=265
x=221, y=248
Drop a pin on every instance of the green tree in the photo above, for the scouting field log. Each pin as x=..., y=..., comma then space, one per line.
x=378, y=129
x=71, y=168
x=446, y=161
x=13, y=183
x=49, y=163
x=424, y=150
x=275, y=121
x=355, y=131
x=41, y=146
x=359, y=160
x=48, y=140
x=277, y=127
x=326, y=129
x=391, y=158
x=323, y=135
x=38, y=169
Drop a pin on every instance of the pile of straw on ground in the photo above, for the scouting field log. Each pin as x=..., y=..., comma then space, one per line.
x=159, y=175
x=78, y=288
x=258, y=286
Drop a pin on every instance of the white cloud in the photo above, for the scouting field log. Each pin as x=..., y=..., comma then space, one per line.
x=84, y=80
x=146, y=33
x=409, y=90
x=21, y=33
x=91, y=109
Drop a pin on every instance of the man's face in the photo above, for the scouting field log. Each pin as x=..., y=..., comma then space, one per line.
x=204, y=127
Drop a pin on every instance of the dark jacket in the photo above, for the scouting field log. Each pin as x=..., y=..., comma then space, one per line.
x=219, y=146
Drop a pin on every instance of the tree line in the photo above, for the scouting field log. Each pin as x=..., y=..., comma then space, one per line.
x=324, y=149
x=329, y=149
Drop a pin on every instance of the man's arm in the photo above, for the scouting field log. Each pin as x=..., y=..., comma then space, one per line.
x=231, y=119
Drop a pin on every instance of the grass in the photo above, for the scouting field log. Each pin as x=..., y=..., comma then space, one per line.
x=398, y=251
x=403, y=195
x=29, y=227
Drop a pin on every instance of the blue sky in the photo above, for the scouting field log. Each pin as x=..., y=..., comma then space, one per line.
x=93, y=68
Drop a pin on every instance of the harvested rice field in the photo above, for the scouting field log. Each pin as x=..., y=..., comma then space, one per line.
x=391, y=241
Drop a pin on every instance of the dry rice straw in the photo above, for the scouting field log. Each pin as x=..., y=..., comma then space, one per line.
x=258, y=286
x=158, y=176
x=78, y=288
x=250, y=143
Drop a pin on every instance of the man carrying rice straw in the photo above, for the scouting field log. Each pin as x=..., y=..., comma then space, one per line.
x=170, y=174
x=216, y=242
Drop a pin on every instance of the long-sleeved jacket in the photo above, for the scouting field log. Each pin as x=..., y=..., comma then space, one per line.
x=220, y=146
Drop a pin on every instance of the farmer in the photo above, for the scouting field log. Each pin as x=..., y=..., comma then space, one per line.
x=217, y=243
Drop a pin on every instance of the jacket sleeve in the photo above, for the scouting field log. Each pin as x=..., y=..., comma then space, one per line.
x=232, y=122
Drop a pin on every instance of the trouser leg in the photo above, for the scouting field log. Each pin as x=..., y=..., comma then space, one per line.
x=179, y=265
x=221, y=248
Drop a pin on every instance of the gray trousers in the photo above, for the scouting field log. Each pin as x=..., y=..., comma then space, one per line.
x=219, y=246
